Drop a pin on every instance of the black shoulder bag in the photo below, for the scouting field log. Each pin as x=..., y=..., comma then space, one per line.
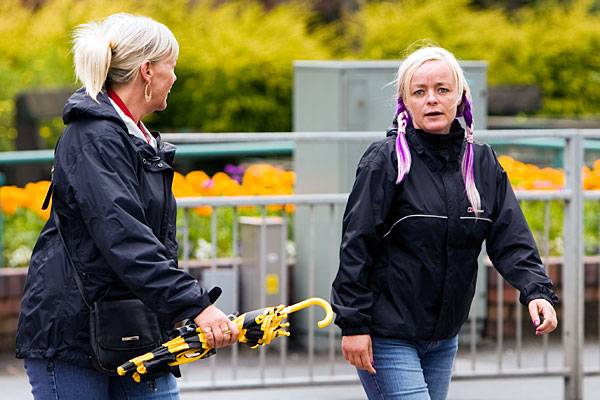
x=119, y=329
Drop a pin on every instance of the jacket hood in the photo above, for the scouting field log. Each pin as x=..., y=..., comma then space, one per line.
x=81, y=106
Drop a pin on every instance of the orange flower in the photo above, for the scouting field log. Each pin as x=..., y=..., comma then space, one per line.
x=43, y=214
x=11, y=198
x=203, y=211
x=529, y=176
x=289, y=178
x=180, y=186
x=35, y=194
x=195, y=179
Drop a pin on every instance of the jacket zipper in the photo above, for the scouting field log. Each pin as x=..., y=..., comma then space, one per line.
x=163, y=222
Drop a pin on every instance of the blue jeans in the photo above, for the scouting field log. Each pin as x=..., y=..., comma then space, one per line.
x=57, y=380
x=410, y=370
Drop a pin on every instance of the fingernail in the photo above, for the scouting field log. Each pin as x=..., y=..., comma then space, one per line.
x=536, y=322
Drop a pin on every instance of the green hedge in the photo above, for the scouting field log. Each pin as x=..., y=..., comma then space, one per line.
x=234, y=71
x=235, y=66
x=555, y=46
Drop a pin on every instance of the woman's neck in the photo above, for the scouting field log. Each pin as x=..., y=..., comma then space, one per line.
x=133, y=98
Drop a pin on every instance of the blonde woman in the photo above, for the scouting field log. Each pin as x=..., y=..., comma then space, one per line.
x=424, y=200
x=112, y=195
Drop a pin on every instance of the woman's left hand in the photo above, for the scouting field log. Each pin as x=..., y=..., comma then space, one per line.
x=543, y=308
x=218, y=329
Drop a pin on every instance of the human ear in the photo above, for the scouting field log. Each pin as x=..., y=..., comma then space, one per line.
x=145, y=71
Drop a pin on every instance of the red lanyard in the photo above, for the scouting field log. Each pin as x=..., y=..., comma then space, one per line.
x=114, y=97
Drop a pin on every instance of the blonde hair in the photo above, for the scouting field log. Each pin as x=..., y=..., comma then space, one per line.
x=112, y=50
x=421, y=56
x=463, y=102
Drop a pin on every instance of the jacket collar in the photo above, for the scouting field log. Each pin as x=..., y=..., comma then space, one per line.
x=81, y=106
x=438, y=150
x=422, y=141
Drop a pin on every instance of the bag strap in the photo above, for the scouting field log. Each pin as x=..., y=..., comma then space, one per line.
x=50, y=190
x=76, y=275
x=54, y=214
x=51, y=187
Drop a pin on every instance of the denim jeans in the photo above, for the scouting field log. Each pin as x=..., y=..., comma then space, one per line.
x=410, y=370
x=57, y=380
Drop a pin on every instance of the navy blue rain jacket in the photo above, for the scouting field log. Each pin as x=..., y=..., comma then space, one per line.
x=113, y=195
x=408, y=257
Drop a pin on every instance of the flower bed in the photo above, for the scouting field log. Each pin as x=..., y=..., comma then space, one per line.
x=23, y=217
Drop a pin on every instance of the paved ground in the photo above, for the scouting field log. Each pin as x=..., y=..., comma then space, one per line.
x=14, y=385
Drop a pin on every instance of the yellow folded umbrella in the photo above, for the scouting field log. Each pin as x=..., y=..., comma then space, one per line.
x=257, y=328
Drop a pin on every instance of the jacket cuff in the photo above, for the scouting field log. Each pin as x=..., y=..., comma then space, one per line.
x=539, y=292
x=362, y=330
x=205, y=300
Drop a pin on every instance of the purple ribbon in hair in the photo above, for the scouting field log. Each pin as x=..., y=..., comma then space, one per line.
x=465, y=111
x=401, y=108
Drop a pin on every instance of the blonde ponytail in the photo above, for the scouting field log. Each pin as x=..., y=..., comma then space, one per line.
x=92, y=56
x=111, y=51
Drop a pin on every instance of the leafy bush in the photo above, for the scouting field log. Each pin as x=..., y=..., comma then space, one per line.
x=19, y=235
x=235, y=65
x=235, y=68
x=560, y=53
x=200, y=230
x=554, y=46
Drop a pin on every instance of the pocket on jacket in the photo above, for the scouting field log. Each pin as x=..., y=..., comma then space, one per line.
x=473, y=230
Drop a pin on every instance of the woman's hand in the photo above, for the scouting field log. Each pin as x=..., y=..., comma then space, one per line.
x=543, y=308
x=219, y=330
x=358, y=351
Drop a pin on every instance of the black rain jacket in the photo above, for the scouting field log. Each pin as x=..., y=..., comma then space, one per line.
x=112, y=192
x=408, y=257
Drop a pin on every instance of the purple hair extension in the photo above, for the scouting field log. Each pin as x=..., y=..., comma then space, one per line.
x=467, y=161
x=402, y=150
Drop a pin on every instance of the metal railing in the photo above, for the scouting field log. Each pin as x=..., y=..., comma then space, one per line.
x=279, y=364
x=473, y=364
x=476, y=360
x=308, y=363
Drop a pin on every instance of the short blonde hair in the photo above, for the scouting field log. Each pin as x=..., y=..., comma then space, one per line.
x=112, y=50
x=421, y=56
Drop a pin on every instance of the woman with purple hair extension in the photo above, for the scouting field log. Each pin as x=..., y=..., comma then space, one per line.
x=424, y=200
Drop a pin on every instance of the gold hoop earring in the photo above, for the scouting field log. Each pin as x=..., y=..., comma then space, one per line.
x=147, y=96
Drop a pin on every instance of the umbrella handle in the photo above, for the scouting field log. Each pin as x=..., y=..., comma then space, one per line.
x=313, y=301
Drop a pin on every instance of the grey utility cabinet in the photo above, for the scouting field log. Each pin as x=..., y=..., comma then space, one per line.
x=269, y=287
x=360, y=95
x=331, y=96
